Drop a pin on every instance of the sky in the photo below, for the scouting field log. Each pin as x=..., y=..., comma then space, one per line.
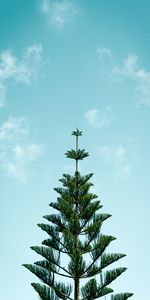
x=66, y=64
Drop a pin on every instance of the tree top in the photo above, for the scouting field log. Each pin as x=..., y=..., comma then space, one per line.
x=77, y=132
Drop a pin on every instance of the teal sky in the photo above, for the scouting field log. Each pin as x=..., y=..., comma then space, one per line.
x=67, y=64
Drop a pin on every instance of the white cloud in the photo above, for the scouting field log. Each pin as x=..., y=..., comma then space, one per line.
x=13, y=128
x=120, y=158
x=99, y=118
x=105, y=153
x=16, y=148
x=115, y=154
x=24, y=69
x=130, y=69
x=2, y=95
x=120, y=153
x=59, y=12
x=116, y=157
x=45, y=6
x=103, y=53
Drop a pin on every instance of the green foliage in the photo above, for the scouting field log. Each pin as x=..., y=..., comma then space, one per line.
x=77, y=132
x=44, y=292
x=121, y=296
x=92, y=290
x=76, y=154
x=62, y=290
x=42, y=273
x=75, y=236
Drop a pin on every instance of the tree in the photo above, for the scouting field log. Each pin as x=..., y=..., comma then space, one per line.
x=76, y=248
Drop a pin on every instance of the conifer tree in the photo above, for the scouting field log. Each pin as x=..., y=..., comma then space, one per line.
x=76, y=248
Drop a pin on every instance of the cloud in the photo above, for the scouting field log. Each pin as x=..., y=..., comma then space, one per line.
x=116, y=154
x=103, y=53
x=16, y=149
x=99, y=118
x=21, y=70
x=2, y=95
x=59, y=13
x=45, y=6
x=130, y=69
x=119, y=155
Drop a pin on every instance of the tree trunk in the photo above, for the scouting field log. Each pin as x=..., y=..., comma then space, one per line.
x=76, y=289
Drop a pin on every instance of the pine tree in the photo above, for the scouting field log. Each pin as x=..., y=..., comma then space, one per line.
x=76, y=249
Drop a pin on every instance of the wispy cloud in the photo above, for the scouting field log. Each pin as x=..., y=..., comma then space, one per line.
x=16, y=148
x=103, y=53
x=2, y=94
x=120, y=157
x=105, y=59
x=130, y=69
x=99, y=118
x=60, y=12
x=21, y=70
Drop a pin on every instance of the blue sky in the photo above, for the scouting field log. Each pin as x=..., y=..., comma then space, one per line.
x=65, y=64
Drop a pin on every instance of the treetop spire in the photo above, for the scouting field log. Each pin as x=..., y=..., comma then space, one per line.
x=77, y=132
x=77, y=154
